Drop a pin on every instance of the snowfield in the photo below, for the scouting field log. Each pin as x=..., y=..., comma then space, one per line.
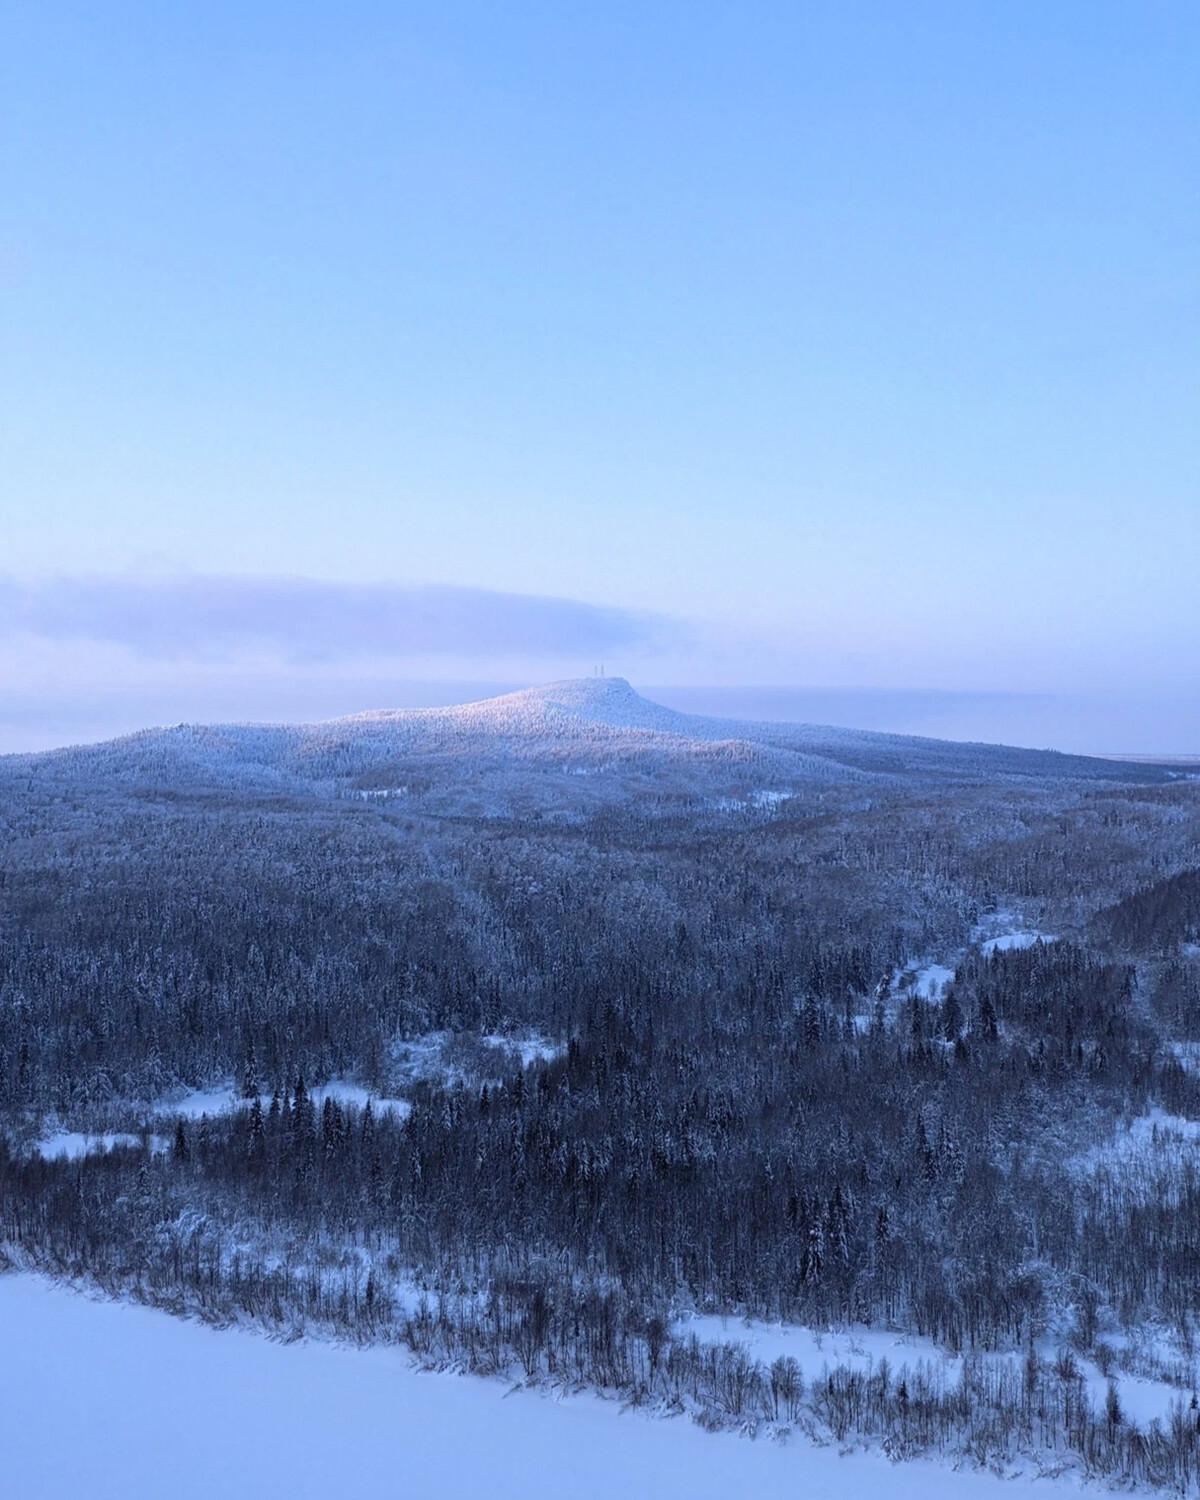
x=154, y=1406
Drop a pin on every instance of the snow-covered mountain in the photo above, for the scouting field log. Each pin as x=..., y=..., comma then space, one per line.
x=577, y=726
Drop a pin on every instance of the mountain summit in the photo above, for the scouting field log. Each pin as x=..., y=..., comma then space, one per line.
x=608, y=701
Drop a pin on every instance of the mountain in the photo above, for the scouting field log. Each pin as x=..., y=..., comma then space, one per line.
x=580, y=727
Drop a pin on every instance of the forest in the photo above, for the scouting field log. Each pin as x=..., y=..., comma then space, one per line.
x=906, y=1044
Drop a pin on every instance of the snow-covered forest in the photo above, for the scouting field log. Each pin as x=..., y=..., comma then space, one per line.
x=535, y=1036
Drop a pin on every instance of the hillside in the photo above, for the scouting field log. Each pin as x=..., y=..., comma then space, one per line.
x=577, y=726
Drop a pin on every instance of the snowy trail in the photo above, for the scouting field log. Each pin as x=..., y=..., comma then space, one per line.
x=118, y=1402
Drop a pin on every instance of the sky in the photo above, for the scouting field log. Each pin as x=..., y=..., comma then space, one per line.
x=350, y=352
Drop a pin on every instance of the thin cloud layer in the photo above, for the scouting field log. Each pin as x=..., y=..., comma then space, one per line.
x=208, y=616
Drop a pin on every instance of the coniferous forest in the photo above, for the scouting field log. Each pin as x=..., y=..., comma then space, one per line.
x=540, y=1034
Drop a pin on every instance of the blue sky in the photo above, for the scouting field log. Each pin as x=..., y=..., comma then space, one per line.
x=839, y=345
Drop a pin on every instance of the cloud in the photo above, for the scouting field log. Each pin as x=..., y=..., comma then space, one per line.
x=211, y=617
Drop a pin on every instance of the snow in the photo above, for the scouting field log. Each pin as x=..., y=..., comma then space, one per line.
x=531, y=1048
x=199, y=1102
x=859, y=1348
x=595, y=722
x=1008, y=940
x=1151, y=1139
x=222, y=1100
x=1142, y=1401
x=451, y=1058
x=120, y=1402
x=999, y=931
x=1187, y=1054
x=75, y=1144
x=351, y=1093
x=813, y=1348
x=763, y=799
x=927, y=981
x=930, y=981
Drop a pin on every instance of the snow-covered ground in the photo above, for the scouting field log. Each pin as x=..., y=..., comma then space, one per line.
x=764, y=799
x=192, y=1106
x=75, y=1143
x=1152, y=1140
x=1007, y=940
x=812, y=1348
x=438, y=1055
x=529, y=1048
x=221, y=1100
x=928, y=982
x=591, y=722
x=929, y=979
x=445, y=1057
x=1001, y=930
x=1188, y=1054
x=118, y=1402
x=1143, y=1400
